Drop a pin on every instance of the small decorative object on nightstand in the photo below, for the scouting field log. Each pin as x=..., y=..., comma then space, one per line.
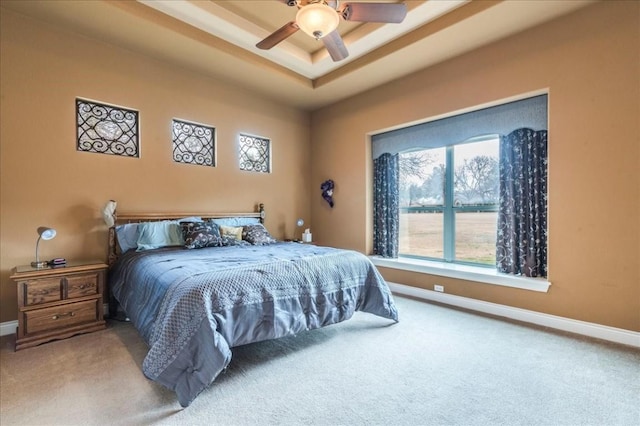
x=58, y=302
x=306, y=236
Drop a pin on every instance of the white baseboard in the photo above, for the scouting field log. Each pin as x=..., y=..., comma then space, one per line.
x=612, y=334
x=9, y=327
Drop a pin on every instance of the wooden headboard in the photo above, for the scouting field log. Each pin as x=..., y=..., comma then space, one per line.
x=121, y=218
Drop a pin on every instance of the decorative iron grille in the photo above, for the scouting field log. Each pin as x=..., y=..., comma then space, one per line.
x=255, y=154
x=193, y=143
x=107, y=129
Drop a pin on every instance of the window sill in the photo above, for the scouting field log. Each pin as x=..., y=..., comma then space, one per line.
x=463, y=272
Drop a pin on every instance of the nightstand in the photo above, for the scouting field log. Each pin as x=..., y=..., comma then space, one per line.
x=56, y=303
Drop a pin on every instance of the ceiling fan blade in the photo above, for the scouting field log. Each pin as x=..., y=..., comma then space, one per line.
x=335, y=46
x=278, y=35
x=392, y=13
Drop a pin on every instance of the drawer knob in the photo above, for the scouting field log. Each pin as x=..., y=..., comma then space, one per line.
x=65, y=314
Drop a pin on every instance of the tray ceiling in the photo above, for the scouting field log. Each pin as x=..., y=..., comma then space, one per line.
x=218, y=38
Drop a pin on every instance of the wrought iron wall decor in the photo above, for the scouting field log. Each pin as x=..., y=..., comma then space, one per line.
x=255, y=153
x=193, y=143
x=107, y=129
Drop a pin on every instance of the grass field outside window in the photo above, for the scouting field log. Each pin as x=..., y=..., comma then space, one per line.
x=421, y=234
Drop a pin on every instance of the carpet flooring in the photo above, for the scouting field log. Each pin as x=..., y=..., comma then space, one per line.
x=437, y=366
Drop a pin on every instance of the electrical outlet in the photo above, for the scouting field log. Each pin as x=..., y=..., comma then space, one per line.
x=439, y=288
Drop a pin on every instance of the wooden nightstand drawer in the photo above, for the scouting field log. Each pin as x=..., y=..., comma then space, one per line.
x=81, y=285
x=41, y=291
x=62, y=316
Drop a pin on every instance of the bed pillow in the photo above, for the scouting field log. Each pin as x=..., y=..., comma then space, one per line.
x=231, y=232
x=127, y=236
x=152, y=235
x=200, y=234
x=236, y=221
x=257, y=235
x=190, y=219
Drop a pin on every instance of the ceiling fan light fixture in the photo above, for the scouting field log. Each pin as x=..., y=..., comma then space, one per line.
x=317, y=20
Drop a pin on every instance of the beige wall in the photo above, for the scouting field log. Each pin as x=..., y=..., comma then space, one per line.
x=590, y=64
x=588, y=61
x=45, y=181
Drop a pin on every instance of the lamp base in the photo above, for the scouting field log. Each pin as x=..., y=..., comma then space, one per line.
x=39, y=264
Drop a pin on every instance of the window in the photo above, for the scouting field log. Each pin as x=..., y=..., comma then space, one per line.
x=107, y=129
x=449, y=202
x=193, y=143
x=468, y=188
x=254, y=153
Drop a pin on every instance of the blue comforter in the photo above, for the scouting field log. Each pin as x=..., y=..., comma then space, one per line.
x=192, y=306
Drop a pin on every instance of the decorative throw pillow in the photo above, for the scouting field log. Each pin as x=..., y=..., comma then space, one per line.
x=257, y=235
x=231, y=232
x=200, y=234
x=232, y=241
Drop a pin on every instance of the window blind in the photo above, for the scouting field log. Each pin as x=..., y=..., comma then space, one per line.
x=500, y=119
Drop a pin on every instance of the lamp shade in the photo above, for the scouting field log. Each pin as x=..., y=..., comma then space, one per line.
x=317, y=20
x=46, y=233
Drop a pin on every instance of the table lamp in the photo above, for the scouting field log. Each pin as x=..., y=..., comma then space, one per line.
x=44, y=233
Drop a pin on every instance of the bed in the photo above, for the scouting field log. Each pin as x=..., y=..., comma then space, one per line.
x=192, y=306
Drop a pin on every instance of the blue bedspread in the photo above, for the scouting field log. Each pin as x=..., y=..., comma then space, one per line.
x=192, y=306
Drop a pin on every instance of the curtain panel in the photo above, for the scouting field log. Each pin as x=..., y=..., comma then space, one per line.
x=521, y=246
x=386, y=195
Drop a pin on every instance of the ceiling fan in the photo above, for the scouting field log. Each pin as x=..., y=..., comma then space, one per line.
x=320, y=19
